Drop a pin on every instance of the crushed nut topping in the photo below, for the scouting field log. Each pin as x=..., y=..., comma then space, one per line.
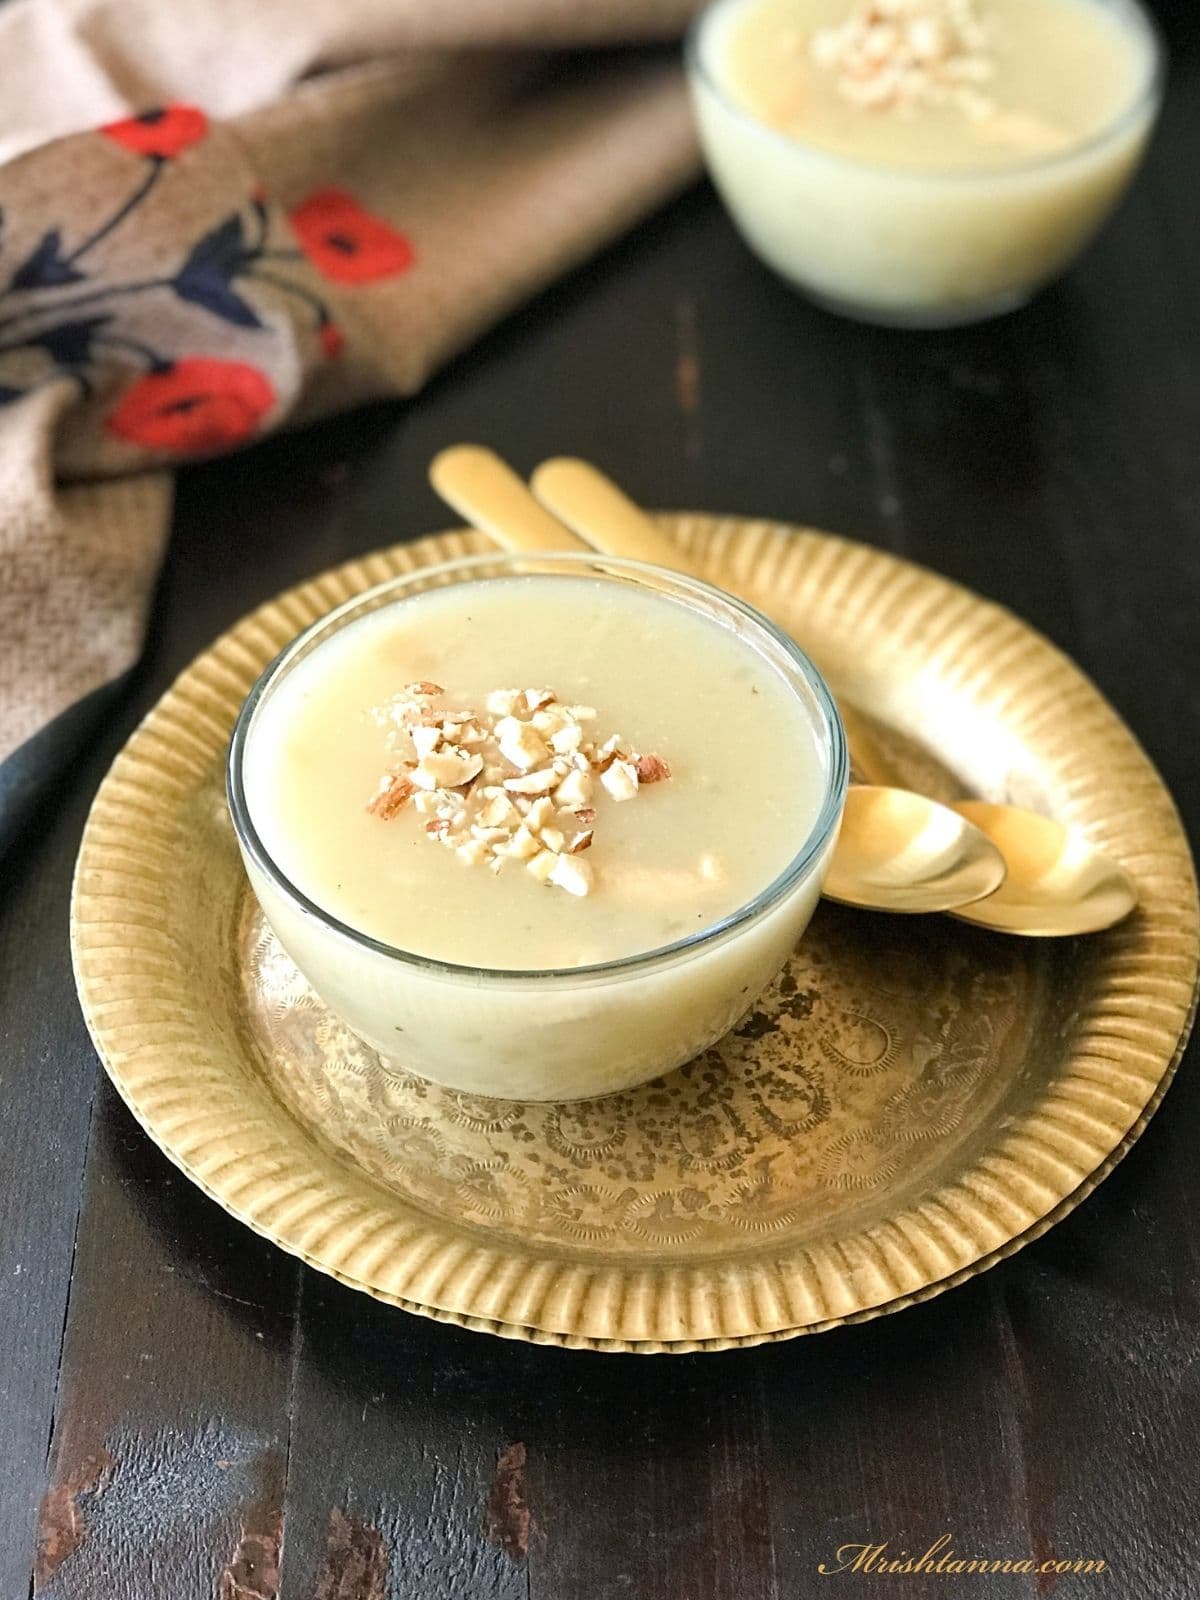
x=511, y=783
x=909, y=54
x=394, y=791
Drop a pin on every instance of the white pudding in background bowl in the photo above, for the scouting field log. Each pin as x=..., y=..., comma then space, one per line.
x=539, y=827
x=923, y=162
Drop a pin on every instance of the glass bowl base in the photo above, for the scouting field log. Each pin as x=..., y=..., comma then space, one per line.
x=926, y=317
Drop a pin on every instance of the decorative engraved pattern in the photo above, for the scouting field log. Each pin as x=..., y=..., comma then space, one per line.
x=872, y=1045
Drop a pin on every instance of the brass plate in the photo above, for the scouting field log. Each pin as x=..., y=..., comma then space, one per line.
x=914, y=1100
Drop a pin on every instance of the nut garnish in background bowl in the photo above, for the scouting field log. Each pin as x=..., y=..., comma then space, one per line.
x=512, y=783
x=908, y=55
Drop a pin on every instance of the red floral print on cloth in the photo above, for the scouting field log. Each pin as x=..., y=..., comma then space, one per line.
x=231, y=275
x=331, y=339
x=194, y=406
x=163, y=132
x=347, y=243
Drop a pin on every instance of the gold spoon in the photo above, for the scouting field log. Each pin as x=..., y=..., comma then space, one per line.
x=1055, y=886
x=896, y=851
x=901, y=852
x=482, y=487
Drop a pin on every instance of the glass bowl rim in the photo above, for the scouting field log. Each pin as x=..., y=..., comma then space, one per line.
x=1145, y=101
x=595, y=564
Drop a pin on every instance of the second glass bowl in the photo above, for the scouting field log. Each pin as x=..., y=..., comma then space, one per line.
x=913, y=247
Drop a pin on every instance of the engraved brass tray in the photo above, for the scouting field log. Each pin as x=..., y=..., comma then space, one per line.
x=913, y=1101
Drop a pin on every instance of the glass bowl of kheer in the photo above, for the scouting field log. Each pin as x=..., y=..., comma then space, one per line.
x=539, y=827
x=923, y=163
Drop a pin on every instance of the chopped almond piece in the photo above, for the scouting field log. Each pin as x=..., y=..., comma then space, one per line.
x=621, y=780
x=543, y=864
x=522, y=845
x=537, y=782
x=489, y=835
x=574, y=791
x=447, y=771
x=424, y=689
x=520, y=744
x=541, y=814
x=571, y=874
x=414, y=715
x=499, y=813
x=425, y=740
x=394, y=793
x=651, y=769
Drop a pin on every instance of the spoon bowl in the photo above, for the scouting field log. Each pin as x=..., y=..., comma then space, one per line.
x=1056, y=884
x=900, y=852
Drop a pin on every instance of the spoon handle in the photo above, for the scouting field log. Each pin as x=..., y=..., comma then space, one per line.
x=485, y=490
x=603, y=514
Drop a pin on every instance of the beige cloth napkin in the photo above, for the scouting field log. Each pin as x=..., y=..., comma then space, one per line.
x=226, y=216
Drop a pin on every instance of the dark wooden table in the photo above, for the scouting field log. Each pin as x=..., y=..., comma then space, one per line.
x=191, y=1414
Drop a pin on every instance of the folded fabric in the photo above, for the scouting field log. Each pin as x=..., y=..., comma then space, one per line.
x=222, y=218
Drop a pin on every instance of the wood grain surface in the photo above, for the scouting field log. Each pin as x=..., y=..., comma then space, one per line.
x=188, y=1414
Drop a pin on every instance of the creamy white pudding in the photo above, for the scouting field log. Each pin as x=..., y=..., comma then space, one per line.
x=923, y=161
x=542, y=891
x=661, y=860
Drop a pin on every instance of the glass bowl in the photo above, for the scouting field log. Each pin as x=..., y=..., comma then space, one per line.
x=566, y=1033
x=913, y=247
